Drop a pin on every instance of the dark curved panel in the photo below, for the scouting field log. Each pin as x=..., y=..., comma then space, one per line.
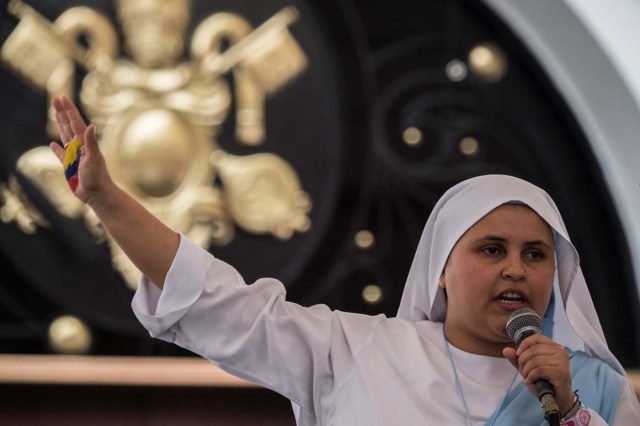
x=341, y=126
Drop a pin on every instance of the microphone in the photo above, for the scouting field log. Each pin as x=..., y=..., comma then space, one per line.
x=523, y=323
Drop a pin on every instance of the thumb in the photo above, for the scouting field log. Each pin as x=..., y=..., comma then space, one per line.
x=90, y=140
x=510, y=354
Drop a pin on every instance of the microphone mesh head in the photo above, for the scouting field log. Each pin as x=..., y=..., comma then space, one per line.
x=523, y=319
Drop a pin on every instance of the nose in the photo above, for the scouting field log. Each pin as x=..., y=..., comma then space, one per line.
x=513, y=269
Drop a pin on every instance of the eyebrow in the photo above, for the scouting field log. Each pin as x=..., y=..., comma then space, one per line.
x=504, y=240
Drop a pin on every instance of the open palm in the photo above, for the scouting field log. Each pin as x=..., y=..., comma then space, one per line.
x=92, y=172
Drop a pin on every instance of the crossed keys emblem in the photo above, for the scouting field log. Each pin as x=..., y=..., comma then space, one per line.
x=159, y=116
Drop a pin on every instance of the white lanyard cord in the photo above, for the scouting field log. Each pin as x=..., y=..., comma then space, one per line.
x=459, y=385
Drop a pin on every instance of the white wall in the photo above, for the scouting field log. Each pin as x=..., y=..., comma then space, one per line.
x=590, y=50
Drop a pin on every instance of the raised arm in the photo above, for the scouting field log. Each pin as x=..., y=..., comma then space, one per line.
x=149, y=243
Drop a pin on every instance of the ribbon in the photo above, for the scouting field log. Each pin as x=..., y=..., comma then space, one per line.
x=71, y=163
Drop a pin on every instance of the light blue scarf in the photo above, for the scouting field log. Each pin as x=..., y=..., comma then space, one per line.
x=600, y=389
x=599, y=385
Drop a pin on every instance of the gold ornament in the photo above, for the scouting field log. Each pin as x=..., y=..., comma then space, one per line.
x=158, y=118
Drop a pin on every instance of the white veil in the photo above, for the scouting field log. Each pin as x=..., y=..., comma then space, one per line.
x=462, y=206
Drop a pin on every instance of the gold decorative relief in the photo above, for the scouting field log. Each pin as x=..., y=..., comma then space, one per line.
x=16, y=208
x=42, y=168
x=263, y=194
x=158, y=116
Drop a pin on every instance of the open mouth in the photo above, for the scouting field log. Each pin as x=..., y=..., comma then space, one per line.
x=511, y=297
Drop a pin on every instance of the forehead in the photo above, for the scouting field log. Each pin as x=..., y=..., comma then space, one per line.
x=514, y=221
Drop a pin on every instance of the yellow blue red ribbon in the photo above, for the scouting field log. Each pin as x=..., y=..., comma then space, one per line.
x=72, y=162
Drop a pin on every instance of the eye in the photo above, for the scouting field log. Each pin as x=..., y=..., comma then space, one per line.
x=491, y=250
x=535, y=254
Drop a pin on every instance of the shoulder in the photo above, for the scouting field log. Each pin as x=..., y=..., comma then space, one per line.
x=401, y=339
x=383, y=331
x=400, y=328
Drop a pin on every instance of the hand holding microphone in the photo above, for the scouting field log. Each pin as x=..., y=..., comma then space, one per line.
x=543, y=363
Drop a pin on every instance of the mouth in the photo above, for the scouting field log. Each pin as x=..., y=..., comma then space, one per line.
x=511, y=298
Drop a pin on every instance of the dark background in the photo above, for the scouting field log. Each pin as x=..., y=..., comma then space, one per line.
x=376, y=68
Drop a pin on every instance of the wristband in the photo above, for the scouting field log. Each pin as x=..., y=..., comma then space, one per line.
x=576, y=400
x=71, y=162
x=581, y=418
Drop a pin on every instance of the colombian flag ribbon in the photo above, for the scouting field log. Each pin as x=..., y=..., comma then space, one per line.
x=71, y=163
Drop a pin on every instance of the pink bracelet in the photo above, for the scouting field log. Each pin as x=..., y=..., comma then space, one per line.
x=581, y=418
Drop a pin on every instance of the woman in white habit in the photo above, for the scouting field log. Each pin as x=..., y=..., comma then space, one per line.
x=491, y=244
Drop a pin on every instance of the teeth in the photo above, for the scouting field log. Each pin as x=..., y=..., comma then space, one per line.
x=511, y=297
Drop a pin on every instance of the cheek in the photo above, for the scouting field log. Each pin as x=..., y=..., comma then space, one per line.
x=467, y=284
x=474, y=274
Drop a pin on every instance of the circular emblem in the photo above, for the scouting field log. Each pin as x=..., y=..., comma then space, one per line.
x=305, y=140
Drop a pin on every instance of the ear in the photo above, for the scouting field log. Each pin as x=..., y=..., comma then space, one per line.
x=442, y=282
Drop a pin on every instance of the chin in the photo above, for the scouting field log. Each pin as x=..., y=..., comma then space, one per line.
x=499, y=332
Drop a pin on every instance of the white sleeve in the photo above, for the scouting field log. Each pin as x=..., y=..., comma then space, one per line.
x=593, y=420
x=627, y=413
x=250, y=330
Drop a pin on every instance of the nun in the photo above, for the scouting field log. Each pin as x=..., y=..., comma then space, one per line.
x=492, y=245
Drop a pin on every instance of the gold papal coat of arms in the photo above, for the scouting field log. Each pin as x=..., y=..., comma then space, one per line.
x=159, y=115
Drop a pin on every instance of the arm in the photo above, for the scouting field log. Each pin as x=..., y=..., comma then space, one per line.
x=251, y=331
x=204, y=305
x=149, y=244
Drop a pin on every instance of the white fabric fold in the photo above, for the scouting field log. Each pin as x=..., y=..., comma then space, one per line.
x=159, y=310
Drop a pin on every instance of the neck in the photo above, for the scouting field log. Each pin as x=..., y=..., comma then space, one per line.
x=475, y=345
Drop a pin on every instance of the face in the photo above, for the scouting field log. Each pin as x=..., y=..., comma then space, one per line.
x=505, y=261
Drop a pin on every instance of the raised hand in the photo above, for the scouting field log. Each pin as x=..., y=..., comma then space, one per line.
x=149, y=243
x=92, y=174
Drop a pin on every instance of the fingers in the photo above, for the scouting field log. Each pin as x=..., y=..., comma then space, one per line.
x=540, y=350
x=547, y=360
x=62, y=120
x=539, y=357
x=532, y=341
x=538, y=353
x=70, y=122
x=90, y=140
x=551, y=369
x=76, y=122
x=72, y=126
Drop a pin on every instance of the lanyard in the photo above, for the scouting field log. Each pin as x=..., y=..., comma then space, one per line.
x=459, y=385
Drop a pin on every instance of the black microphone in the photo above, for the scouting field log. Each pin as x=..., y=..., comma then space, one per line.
x=523, y=323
